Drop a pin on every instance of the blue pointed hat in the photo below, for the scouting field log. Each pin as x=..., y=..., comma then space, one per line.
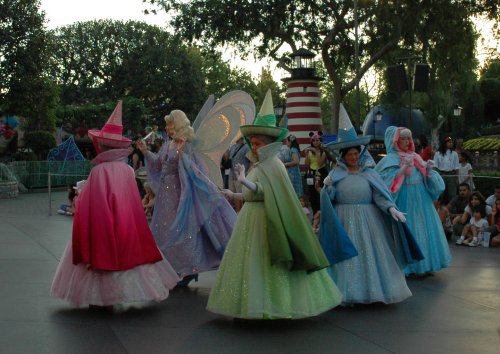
x=346, y=135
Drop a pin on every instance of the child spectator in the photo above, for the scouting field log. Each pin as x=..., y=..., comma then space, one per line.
x=494, y=229
x=304, y=202
x=465, y=170
x=477, y=224
x=69, y=209
x=148, y=201
x=444, y=215
x=494, y=197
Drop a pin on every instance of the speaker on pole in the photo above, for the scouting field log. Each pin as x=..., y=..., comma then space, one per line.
x=421, y=77
x=397, y=79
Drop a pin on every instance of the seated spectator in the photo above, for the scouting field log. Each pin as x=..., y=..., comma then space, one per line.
x=494, y=197
x=304, y=202
x=444, y=215
x=69, y=209
x=477, y=224
x=475, y=199
x=494, y=228
x=148, y=201
x=457, y=205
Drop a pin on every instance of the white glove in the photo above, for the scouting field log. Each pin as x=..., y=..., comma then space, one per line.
x=239, y=169
x=397, y=215
x=430, y=165
x=408, y=160
x=327, y=181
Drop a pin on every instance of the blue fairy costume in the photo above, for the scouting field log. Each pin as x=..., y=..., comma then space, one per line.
x=366, y=248
x=414, y=193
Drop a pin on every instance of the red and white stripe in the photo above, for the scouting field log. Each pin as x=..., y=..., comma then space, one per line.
x=303, y=110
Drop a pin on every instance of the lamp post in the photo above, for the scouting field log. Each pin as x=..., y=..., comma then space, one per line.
x=377, y=117
x=457, y=112
x=278, y=112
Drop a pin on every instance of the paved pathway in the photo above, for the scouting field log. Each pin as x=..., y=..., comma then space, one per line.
x=455, y=311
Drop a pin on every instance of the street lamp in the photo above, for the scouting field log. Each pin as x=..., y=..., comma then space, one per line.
x=376, y=118
x=279, y=109
x=457, y=111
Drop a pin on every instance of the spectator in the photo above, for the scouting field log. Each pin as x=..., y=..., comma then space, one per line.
x=494, y=197
x=494, y=228
x=69, y=209
x=475, y=199
x=465, y=174
x=446, y=163
x=426, y=148
x=291, y=160
x=444, y=215
x=315, y=161
x=457, y=205
x=477, y=224
x=148, y=201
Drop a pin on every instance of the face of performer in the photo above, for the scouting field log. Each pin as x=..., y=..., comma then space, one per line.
x=170, y=129
x=404, y=143
x=257, y=142
x=351, y=158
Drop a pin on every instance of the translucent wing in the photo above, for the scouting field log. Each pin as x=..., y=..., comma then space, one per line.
x=207, y=106
x=219, y=128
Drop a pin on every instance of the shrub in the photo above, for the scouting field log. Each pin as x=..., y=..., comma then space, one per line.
x=482, y=144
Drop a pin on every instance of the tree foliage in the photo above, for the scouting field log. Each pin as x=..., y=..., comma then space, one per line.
x=274, y=28
x=24, y=87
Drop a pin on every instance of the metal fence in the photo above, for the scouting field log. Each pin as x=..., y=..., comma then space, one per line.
x=35, y=174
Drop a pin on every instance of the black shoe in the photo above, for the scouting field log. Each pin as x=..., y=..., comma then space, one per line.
x=187, y=279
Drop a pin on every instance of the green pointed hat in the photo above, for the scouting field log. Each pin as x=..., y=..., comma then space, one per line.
x=265, y=122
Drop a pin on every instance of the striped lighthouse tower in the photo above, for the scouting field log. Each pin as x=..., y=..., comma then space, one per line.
x=303, y=109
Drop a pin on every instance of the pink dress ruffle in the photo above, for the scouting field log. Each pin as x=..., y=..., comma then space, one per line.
x=82, y=287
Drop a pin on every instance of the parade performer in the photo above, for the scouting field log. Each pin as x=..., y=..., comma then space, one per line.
x=415, y=186
x=112, y=257
x=273, y=266
x=366, y=247
x=192, y=221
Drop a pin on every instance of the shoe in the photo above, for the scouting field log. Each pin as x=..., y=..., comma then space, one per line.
x=61, y=212
x=459, y=241
x=466, y=242
x=473, y=243
x=187, y=279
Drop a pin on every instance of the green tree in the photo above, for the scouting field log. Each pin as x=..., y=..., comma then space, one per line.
x=24, y=87
x=329, y=27
x=103, y=61
x=490, y=89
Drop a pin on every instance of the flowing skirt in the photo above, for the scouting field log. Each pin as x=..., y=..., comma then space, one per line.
x=248, y=286
x=374, y=274
x=83, y=287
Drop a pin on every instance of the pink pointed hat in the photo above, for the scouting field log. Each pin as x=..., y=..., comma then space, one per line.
x=111, y=134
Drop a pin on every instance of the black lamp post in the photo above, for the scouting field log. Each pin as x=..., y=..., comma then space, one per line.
x=377, y=117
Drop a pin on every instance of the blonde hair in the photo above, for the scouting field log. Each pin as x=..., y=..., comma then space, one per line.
x=182, y=125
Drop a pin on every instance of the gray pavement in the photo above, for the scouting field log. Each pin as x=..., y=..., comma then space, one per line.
x=455, y=311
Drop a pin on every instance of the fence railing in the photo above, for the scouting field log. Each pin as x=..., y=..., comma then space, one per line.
x=34, y=174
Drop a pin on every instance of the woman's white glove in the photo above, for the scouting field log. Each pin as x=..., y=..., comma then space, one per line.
x=408, y=160
x=327, y=181
x=239, y=169
x=397, y=215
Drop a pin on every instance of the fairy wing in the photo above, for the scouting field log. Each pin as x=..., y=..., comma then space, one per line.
x=219, y=127
x=207, y=106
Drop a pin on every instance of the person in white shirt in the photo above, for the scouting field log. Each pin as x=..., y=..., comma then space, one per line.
x=477, y=224
x=465, y=174
x=494, y=197
x=446, y=163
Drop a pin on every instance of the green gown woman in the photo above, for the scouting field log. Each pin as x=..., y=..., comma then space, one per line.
x=273, y=266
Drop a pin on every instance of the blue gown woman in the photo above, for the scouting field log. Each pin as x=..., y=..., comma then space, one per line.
x=414, y=186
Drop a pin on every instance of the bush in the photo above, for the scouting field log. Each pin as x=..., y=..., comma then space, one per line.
x=25, y=156
x=482, y=144
x=40, y=142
